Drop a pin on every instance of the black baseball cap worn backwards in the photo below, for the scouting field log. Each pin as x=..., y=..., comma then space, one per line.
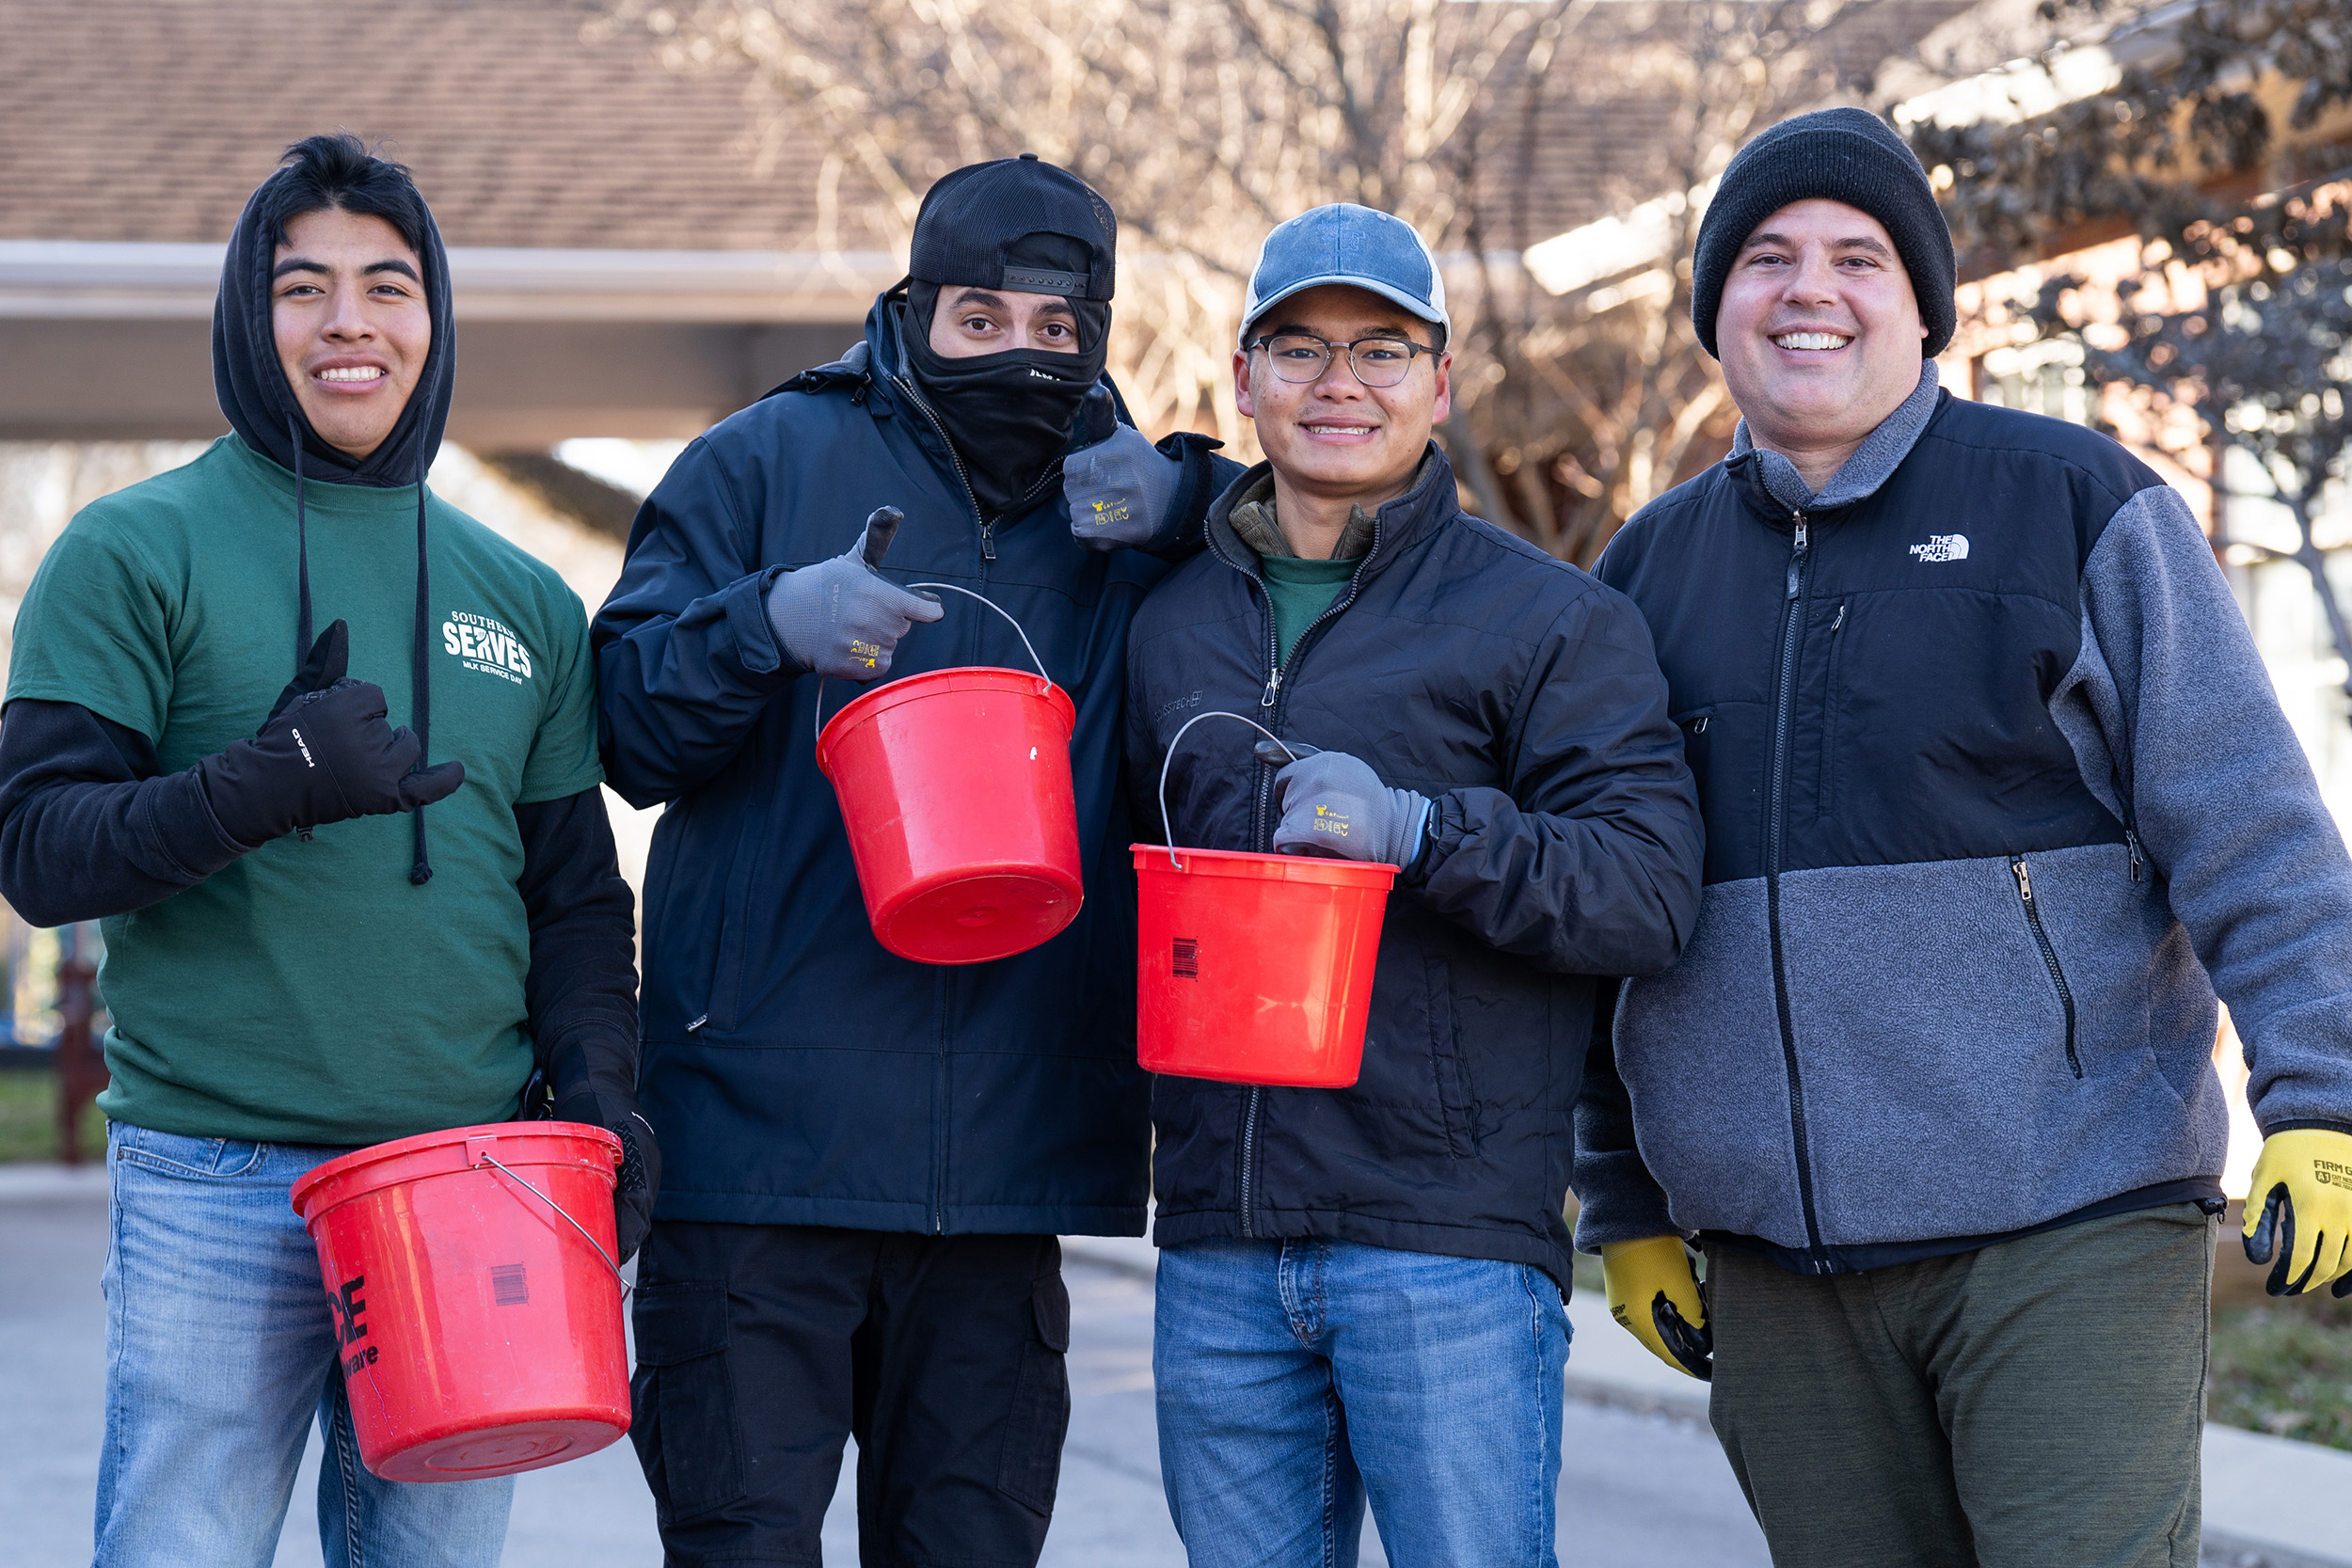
x=974, y=218
x=1848, y=155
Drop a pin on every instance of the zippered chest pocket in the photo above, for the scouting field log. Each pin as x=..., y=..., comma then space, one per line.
x=1696, y=726
x=2022, y=874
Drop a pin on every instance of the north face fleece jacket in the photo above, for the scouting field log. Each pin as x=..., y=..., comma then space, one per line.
x=1999, y=797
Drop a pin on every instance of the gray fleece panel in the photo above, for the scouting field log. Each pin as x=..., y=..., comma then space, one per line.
x=1699, y=1047
x=1872, y=463
x=2172, y=714
x=1931, y=1039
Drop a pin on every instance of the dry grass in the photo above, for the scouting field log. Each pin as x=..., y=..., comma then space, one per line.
x=29, y=1118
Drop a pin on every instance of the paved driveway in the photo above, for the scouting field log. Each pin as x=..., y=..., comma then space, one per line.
x=1637, y=1491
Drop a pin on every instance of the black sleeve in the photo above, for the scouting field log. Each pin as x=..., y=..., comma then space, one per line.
x=580, y=992
x=1206, y=475
x=1588, y=863
x=90, y=825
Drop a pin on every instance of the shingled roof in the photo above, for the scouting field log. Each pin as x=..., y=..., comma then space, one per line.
x=151, y=121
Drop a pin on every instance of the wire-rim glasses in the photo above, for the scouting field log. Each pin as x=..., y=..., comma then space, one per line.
x=1379, y=361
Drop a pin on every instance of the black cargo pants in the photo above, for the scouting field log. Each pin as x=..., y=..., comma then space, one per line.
x=760, y=1348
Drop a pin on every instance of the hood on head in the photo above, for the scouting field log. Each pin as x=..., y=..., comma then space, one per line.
x=251, y=383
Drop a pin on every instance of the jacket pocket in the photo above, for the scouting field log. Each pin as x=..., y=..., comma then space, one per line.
x=2023, y=874
x=1697, y=742
x=1833, y=711
x=1449, y=1073
x=721, y=1004
x=683, y=1422
x=1031, y=1465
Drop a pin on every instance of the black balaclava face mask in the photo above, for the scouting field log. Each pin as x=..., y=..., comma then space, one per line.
x=250, y=382
x=1009, y=415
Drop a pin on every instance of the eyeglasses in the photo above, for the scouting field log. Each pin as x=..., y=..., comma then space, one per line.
x=1376, y=362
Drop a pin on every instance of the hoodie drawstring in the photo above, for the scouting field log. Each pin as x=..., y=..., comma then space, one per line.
x=421, y=681
x=420, y=661
x=302, y=550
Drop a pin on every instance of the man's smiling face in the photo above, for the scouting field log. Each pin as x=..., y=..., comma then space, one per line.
x=1334, y=438
x=1818, y=329
x=348, y=309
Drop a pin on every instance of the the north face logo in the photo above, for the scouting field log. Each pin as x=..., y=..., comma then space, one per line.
x=1943, y=547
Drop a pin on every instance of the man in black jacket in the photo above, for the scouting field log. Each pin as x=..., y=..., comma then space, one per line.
x=1998, y=797
x=872, y=1157
x=1360, y=1289
x=290, y=972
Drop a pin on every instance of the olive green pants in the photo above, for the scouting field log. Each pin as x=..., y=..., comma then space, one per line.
x=2037, y=1403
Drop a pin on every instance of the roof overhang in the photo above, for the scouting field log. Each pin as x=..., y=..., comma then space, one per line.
x=99, y=279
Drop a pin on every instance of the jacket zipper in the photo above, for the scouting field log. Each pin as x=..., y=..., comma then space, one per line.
x=988, y=529
x=2049, y=955
x=939, y=1070
x=1261, y=829
x=1793, y=603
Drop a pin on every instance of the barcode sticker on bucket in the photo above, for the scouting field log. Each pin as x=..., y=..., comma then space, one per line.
x=507, y=1285
x=1187, y=958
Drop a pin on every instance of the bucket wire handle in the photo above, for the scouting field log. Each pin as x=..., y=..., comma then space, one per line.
x=1166, y=829
x=816, y=720
x=490, y=1158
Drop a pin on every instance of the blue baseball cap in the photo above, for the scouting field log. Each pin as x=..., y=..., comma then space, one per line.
x=1346, y=243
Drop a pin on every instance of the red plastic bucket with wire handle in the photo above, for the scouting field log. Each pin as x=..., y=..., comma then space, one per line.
x=476, y=1306
x=1254, y=969
x=955, y=789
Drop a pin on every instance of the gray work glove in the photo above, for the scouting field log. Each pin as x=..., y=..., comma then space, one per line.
x=841, y=617
x=1124, y=493
x=1334, y=804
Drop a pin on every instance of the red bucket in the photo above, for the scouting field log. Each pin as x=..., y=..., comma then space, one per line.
x=955, y=787
x=1255, y=969
x=480, y=1328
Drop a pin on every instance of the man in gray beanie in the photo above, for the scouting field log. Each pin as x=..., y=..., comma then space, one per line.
x=1999, y=804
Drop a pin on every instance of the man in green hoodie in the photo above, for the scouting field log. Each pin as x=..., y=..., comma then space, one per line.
x=291, y=970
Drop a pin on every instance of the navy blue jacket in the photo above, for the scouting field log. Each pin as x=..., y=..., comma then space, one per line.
x=795, y=1072
x=1997, y=796
x=1524, y=699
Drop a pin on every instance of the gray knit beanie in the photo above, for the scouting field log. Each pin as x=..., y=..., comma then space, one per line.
x=1848, y=155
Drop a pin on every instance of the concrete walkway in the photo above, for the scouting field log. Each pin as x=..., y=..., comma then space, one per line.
x=1642, y=1483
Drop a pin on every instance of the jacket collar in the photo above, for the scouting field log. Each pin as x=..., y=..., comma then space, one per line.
x=1401, y=521
x=1772, y=481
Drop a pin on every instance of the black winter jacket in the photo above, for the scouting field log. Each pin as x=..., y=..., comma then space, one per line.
x=1521, y=696
x=796, y=1072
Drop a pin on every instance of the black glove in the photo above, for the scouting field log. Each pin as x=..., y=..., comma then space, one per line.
x=591, y=1095
x=324, y=755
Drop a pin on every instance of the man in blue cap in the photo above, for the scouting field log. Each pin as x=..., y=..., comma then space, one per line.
x=1362, y=1291
x=872, y=1157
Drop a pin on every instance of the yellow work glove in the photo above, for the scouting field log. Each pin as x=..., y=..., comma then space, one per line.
x=1654, y=1294
x=2299, y=1212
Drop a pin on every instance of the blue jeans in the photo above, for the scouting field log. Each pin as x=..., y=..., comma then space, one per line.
x=1297, y=1378
x=219, y=1349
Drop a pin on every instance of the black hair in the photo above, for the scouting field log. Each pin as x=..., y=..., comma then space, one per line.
x=342, y=172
